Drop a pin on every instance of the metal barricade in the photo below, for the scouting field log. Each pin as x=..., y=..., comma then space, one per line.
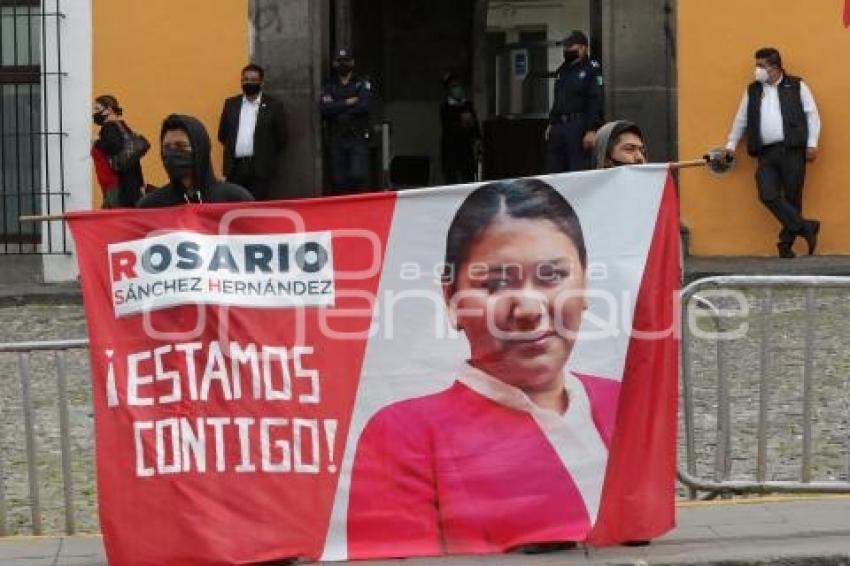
x=24, y=351
x=721, y=483
x=692, y=296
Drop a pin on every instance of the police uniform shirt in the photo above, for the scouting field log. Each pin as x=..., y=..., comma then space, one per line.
x=578, y=90
x=247, y=126
x=345, y=118
x=771, y=127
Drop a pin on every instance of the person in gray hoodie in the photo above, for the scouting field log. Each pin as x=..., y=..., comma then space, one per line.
x=619, y=143
x=186, y=159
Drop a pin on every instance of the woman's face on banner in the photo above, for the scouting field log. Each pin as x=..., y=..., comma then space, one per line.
x=519, y=299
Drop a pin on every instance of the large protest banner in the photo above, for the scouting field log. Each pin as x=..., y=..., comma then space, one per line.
x=464, y=369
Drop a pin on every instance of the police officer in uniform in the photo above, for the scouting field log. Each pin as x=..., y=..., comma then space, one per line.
x=345, y=105
x=577, y=109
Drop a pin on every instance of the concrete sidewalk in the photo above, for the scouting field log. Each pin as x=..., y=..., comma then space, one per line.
x=784, y=531
x=698, y=267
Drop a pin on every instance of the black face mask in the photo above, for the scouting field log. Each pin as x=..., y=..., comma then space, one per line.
x=570, y=56
x=457, y=92
x=178, y=163
x=344, y=68
x=98, y=118
x=251, y=89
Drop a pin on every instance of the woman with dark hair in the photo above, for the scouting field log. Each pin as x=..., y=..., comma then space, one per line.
x=514, y=452
x=121, y=189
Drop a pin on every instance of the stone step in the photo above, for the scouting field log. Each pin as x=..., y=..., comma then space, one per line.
x=16, y=269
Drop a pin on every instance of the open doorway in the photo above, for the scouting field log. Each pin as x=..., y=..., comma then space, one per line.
x=406, y=46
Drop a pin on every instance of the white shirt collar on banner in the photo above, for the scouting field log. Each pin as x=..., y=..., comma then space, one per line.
x=573, y=435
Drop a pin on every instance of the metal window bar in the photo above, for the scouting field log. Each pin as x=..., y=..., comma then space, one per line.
x=32, y=145
x=4, y=227
x=721, y=483
x=62, y=193
x=24, y=351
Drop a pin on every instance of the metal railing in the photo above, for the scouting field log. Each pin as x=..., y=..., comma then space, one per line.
x=24, y=351
x=721, y=483
x=691, y=297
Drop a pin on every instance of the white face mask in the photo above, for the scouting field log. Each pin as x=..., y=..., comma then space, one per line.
x=761, y=75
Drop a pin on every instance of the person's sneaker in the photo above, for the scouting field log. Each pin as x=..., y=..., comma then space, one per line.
x=785, y=251
x=810, y=233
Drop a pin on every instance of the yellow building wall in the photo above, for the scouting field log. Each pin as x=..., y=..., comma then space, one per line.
x=163, y=56
x=717, y=40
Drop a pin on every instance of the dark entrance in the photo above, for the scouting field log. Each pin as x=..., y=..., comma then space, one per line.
x=505, y=51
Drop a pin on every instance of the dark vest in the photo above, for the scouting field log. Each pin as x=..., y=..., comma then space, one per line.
x=794, y=123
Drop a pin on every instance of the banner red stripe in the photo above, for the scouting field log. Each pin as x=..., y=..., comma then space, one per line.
x=641, y=478
x=209, y=502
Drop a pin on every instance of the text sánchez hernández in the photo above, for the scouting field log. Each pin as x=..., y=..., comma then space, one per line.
x=279, y=270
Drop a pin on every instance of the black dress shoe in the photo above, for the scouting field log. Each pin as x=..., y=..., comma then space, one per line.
x=810, y=233
x=785, y=251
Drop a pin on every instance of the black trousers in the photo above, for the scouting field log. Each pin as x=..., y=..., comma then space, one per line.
x=244, y=174
x=458, y=161
x=780, y=176
x=564, y=150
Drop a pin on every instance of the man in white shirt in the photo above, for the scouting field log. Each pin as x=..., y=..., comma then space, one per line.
x=780, y=117
x=252, y=130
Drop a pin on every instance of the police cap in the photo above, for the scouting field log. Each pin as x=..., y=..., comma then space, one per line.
x=343, y=53
x=576, y=37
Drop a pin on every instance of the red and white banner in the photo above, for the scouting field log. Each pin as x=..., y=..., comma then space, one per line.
x=465, y=369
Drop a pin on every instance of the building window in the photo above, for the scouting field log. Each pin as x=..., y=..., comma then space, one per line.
x=25, y=188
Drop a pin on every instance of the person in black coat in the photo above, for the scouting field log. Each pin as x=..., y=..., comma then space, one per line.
x=253, y=131
x=460, y=133
x=107, y=114
x=186, y=158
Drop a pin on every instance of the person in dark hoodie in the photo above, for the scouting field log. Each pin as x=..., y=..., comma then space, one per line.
x=186, y=158
x=620, y=143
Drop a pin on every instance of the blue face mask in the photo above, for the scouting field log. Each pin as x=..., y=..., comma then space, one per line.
x=457, y=92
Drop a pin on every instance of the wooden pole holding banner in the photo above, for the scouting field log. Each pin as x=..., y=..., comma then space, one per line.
x=689, y=164
x=41, y=217
x=51, y=217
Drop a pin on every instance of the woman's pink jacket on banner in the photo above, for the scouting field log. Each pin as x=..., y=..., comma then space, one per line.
x=472, y=469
